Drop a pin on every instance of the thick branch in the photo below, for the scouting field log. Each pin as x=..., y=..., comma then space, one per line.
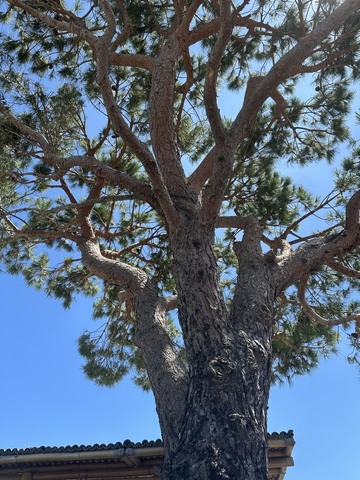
x=118, y=122
x=321, y=250
x=260, y=88
x=203, y=171
x=141, y=190
x=249, y=249
x=161, y=106
x=131, y=60
x=170, y=303
x=31, y=134
x=231, y=222
x=124, y=35
x=210, y=88
x=352, y=213
x=219, y=177
x=205, y=30
x=123, y=130
x=214, y=190
x=113, y=271
x=163, y=131
x=110, y=18
x=33, y=235
x=289, y=65
x=189, y=14
x=168, y=374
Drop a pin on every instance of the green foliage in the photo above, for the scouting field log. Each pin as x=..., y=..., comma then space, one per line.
x=299, y=345
x=105, y=364
x=299, y=342
x=48, y=81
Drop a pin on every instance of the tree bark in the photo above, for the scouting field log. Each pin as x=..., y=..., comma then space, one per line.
x=223, y=429
x=167, y=373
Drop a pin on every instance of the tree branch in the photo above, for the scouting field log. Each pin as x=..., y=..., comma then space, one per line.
x=31, y=134
x=75, y=25
x=113, y=271
x=205, y=30
x=322, y=233
x=210, y=88
x=123, y=130
x=131, y=60
x=312, y=315
x=162, y=127
x=278, y=244
x=124, y=35
x=33, y=234
x=343, y=269
x=231, y=222
x=201, y=174
x=289, y=65
x=260, y=88
x=330, y=61
x=352, y=213
x=170, y=303
x=111, y=20
x=189, y=14
x=72, y=206
x=118, y=123
x=140, y=189
x=321, y=250
x=249, y=248
x=168, y=374
x=297, y=222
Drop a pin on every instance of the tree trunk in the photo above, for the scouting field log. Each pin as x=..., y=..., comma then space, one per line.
x=223, y=430
x=223, y=435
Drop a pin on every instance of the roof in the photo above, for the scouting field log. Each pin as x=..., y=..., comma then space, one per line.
x=125, y=461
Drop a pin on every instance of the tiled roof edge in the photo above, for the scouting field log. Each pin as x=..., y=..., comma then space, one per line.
x=111, y=446
x=82, y=448
x=281, y=435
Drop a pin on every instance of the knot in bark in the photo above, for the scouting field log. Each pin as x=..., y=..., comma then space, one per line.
x=220, y=368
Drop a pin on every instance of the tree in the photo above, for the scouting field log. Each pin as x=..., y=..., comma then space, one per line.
x=121, y=180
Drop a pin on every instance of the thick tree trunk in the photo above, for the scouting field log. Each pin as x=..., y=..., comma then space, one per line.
x=223, y=430
x=223, y=435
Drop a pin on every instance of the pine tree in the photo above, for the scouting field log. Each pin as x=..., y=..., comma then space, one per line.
x=121, y=180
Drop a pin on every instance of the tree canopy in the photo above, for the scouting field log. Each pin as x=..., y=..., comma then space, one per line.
x=65, y=159
x=113, y=138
